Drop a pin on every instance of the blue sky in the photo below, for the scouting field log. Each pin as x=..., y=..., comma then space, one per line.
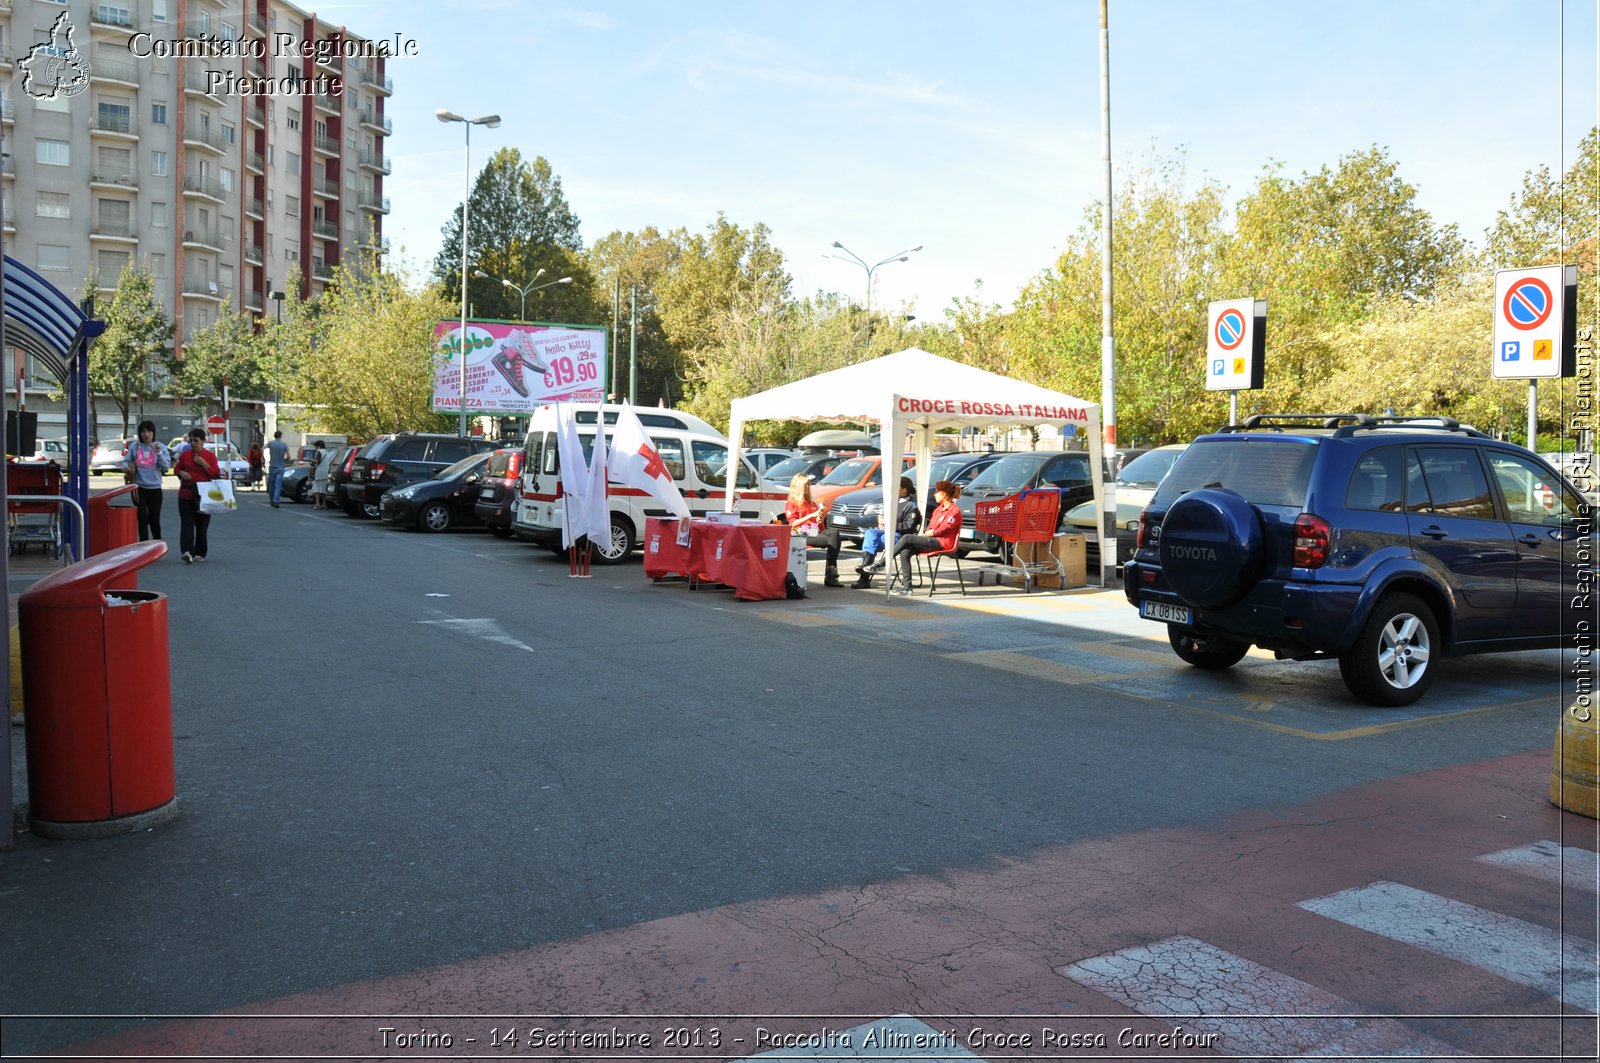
x=971, y=129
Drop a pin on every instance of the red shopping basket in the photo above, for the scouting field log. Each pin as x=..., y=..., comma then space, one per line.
x=1029, y=517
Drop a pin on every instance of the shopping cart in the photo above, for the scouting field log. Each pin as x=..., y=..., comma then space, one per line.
x=33, y=522
x=1026, y=517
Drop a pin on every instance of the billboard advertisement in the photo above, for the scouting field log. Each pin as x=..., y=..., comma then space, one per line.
x=514, y=368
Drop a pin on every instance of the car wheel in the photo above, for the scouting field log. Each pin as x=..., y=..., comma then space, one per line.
x=1392, y=661
x=1211, y=653
x=621, y=544
x=371, y=510
x=499, y=532
x=434, y=518
x=302, y=494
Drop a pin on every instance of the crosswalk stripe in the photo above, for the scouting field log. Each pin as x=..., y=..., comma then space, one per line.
x=1518, y=951
x=897, y=1037
x=1564, y=865
x=1254, y=1010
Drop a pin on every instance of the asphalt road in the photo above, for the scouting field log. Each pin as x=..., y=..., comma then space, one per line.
x=397, y=750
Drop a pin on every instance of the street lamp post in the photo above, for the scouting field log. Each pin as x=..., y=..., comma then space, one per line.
x=523, y=292
x=277, y=356
x=898, y=256
x=489, y=120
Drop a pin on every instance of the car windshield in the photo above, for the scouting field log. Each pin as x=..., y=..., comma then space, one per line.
x=1011, y=473
x=462, y=467
x=1265, y=472
x=850, y=472
x=786, y=469
x=1147, y=469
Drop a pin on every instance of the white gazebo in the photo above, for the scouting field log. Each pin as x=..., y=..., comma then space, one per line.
x=924, y=393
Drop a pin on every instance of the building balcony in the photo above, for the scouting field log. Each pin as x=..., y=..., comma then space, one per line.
x=327, y=230
x=119, y=229
x=112, y=178
x=7, y=60
x=198, y=136
x=381, y=123
x=205, y=237
x=254, y=162
x=256, y=68
x=121, y=126
x=254, y=300
x=195, y=82
x=253, y=207
x=373, y=202
x=325, y=144
x=377, y=84
x=8, y=218
x=257, y=22
x=202, y=288
x=8, y=165
x=8, y=110
x=111, y=67
x=112, y=20
x=373, y=242
x=252, y=254
x=327, y=59
x=206, y=187
x=373, y=160
x=325, y=188
x=326, y=103
x=256, y=113
x=322, y=269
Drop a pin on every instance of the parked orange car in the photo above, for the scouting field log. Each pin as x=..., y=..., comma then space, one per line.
x=849, y=475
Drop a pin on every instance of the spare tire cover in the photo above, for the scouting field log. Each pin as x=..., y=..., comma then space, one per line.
x=1212, y=546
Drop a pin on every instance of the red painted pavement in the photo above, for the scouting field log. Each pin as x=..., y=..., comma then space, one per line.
x=986, y=940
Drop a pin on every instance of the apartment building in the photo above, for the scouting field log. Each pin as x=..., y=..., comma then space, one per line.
x=219, y=143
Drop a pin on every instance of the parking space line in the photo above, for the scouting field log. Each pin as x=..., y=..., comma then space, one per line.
x=1022, y=664
x=803, y=618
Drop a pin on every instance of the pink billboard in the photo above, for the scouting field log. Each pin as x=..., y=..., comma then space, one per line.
x=513, y=368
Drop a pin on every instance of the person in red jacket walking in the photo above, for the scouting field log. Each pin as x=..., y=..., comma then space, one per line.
x=944, y=527
x=195, y=465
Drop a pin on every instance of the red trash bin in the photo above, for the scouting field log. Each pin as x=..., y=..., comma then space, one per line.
x=114, y=521
x=97, y=691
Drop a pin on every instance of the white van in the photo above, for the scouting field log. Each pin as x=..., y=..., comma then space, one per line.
x=694, y=452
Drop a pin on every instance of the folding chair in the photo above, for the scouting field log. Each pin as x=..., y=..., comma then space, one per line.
x=933, y=558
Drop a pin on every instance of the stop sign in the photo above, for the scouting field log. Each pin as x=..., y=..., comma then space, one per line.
x=216, y=425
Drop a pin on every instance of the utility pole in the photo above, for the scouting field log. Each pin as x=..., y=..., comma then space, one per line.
x=633, y=342
x=616, y=320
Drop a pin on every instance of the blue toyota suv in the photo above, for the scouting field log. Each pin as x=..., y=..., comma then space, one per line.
x=1387, y=543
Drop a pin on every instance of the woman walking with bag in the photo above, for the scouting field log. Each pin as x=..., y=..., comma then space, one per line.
x=143, y=465
x=195, y=466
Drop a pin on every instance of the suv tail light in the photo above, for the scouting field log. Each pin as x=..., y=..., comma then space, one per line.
x=349, y=463
x=1311, y=538
x=376, y=470
x=1144, y=523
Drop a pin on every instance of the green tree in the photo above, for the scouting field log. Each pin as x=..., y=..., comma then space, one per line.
x=372, y=367
x=520, y=223
x=628, y=268
x=134, y=343
x=229, y=352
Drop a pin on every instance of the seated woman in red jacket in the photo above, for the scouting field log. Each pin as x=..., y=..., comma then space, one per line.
x=944, y=527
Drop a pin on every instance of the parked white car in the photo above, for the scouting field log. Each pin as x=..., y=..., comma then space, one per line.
x=235, y=466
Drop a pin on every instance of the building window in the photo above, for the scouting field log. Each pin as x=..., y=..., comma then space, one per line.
x=53, y=205
x=158, y=114
x=291, y=250
x=158, y=265
x=230, y=133
x=54, y=152
x=291, y=206
x=227, y=179
x=55, y=256
x=158, y=215
x=292, y=162
x=159, y=10
x=158, y=163
x=294, y=120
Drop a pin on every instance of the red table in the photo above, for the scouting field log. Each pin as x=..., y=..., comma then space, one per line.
x=750, y=557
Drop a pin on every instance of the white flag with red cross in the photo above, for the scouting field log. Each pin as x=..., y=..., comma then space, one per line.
x=635, y=462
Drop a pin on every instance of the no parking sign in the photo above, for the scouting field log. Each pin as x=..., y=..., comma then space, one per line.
x=1535, y=324
x=1236, y=344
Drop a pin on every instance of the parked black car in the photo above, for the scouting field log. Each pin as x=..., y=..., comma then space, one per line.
x=496, y=506
x=1386, y=543
x=778, y=476
x=340, y=459
x=1066, y=470
x=405, y=457
x=848, y=514
x=439, y=503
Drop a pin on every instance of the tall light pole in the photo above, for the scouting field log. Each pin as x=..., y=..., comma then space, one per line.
x=898, y=256
x=489, y=120
x=277, y=357
x=523, y=292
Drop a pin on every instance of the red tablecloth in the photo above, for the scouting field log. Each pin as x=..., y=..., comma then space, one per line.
x=751, y=558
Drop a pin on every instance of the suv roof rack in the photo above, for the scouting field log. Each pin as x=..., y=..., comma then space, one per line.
x=1345, y=425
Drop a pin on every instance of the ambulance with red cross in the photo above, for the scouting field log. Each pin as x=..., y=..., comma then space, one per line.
x=693, y=452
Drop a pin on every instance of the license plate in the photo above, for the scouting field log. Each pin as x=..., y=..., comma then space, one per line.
x=840, y=520
x=357, y=477
x=969, y=533
x=1172, y=614
x=488, y=494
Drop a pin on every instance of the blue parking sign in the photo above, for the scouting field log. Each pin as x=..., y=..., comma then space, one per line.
x=1510, y=350
x=1217, y=367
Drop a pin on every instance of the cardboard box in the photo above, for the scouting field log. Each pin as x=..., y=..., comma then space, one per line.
x=1070, y=550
